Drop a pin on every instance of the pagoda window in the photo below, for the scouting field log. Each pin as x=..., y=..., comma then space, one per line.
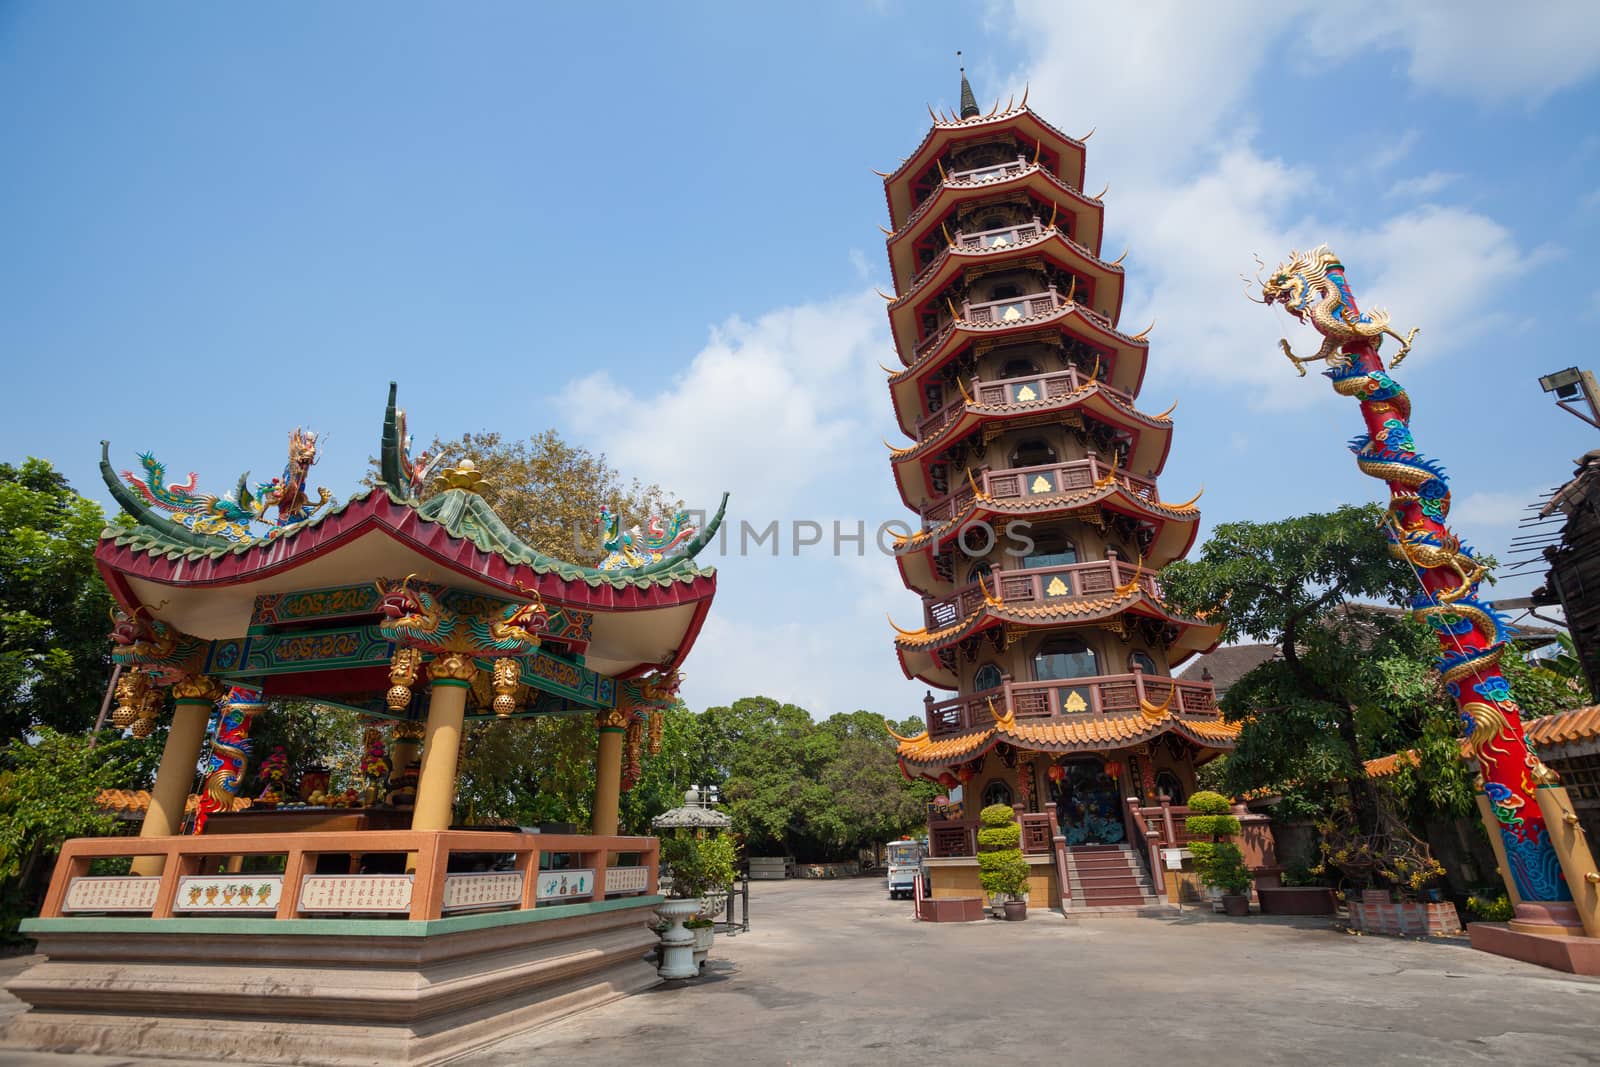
x=997, y=792
x=1064, y=657
x=1167, y=785
x=1051, y=548
x=1005, y=292
x=1143, y=661
x=987, y=677
x=1019, y=368
x=1033, y=453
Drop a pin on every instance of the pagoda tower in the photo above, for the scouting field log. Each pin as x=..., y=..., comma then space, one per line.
x=1041, y=529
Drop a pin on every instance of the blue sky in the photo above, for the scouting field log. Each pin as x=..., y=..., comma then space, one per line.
x=656, y=231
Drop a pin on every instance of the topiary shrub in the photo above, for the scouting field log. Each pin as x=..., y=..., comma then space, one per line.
x=1001, y=869
x=1218, y=863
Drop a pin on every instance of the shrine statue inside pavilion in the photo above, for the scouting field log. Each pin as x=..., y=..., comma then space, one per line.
x=387, y=932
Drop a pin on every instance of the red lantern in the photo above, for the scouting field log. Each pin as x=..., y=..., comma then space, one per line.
x=965, y=775
x=1056, y=773
x=1114, y=769
x=948, y=780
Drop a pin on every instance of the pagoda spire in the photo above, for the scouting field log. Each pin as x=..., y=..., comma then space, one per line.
x=969, y=102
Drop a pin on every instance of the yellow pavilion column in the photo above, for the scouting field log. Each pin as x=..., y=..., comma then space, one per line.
x=193, y=699
x=608, y=771
x=450, y=676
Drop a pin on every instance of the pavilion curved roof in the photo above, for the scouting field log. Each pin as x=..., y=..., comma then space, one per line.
x=206, y=586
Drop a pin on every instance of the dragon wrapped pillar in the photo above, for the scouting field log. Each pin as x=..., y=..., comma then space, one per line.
x=230, y=752
x=1472, y=637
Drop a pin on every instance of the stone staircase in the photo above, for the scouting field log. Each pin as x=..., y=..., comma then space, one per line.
x=1109, y=879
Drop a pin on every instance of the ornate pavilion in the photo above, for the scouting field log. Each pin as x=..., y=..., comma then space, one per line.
x=1033, y=471
x=383, y=932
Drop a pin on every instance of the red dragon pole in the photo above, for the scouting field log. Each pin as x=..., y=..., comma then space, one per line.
x=1472, y=636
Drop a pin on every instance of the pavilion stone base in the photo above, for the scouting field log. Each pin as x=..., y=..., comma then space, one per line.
x=1521, y=939
x=324, y=991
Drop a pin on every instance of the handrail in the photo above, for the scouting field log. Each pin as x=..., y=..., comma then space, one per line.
x=1152, y=842
x=421, y=896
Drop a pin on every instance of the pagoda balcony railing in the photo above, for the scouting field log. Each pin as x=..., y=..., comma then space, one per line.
x=1102, y=695
x=1000, y=237
x=1050, y=386
x=1031, y=587
x=1018, y=483
x=935, y=339
x=989, y=172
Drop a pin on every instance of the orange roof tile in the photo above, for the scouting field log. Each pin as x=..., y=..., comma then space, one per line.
x=1565, y=728
x=1084, y=732
x=137, y=802
x=1545, y=733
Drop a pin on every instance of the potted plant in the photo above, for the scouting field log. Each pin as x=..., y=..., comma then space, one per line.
x=1002, y=871
x=1218, y=862
x=698, y=867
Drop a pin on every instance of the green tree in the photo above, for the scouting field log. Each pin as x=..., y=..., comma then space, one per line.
x=666, y=776
x=48, y=785
x=550, y=491
x=54, y=657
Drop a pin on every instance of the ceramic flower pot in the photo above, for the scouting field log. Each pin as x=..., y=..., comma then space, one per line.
x=1235, y=904
x=702, y=944
x=677, y=942
x=1016, y=910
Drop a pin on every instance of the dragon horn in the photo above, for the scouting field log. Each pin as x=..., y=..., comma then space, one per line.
x=931, y=115
x=1104, y=191
x=1038, y=149
x=879, y=173
x=887, y=370
x=887, y=233
x=1072, y=286
x=1169, y=411
x=883, y=294
x=964, y=394
x=953, y=312
x=948, y=240
x=1055, y=209
x=994, y=110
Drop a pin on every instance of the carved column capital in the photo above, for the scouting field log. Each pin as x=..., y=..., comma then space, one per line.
x=198, y=687
x=612, y=720
x=452, y=667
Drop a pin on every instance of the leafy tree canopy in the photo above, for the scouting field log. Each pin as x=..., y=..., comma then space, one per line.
x=54, y=609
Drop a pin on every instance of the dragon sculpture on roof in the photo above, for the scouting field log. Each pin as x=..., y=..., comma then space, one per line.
x=232, y=517
x=636, y=548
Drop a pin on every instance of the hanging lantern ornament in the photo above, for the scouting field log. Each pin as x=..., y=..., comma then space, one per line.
x=507, y=676
x=131, y=689
x=1057, y=773
x=948, y=780
x=149, y=709
x=1113, y=769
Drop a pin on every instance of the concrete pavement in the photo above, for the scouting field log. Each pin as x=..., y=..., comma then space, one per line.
x=835, y=973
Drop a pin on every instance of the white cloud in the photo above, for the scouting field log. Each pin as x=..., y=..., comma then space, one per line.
x=1476, y=48
x=1196, y=199
x=1492, y=510
x=1424, y=185
x=764, y=410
